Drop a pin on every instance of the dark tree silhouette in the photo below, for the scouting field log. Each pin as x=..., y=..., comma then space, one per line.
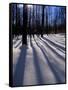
x=46, y=22
x=33, y=22
x=42, y=21
x=18, y=20
x=30, y=23
x=12, y=8
x=36, y=19
x=55, y=22
x=25, y=14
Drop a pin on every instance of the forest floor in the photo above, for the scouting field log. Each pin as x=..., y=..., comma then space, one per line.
x=42, y=61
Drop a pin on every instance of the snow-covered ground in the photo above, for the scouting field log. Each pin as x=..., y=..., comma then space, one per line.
x=42, y=61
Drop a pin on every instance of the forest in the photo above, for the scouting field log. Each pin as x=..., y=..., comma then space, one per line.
x=37, y=19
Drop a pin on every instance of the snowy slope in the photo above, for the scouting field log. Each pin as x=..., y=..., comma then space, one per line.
x=42, y=61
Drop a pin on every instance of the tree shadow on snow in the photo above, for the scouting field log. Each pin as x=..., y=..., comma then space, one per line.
x=40, y=79
x=20, y=67
x=60, y=78
x=53, y=43
x=18, y=44
x=60, y=56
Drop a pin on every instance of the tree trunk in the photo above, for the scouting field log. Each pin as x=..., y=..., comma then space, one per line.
x=33, y=22
x=16, y=19
x=25, y=15
x=30, y=23
x=42, y=21
x=46, y=22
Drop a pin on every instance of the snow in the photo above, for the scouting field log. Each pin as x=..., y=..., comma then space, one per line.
x=42, y=61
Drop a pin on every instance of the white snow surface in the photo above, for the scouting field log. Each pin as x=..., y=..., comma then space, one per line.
x=42, y=61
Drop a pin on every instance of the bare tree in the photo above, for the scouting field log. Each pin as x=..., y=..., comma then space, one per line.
x=46, y=22
x=42, y=20
x=33, y=21
x=30, y=23
x=25, y=15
